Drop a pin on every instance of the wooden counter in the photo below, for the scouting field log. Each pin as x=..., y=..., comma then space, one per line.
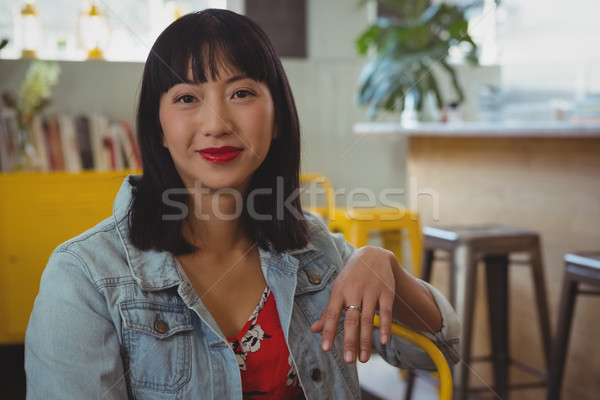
x=541, y=177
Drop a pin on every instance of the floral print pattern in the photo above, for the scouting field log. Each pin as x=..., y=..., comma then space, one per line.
x=266, y=366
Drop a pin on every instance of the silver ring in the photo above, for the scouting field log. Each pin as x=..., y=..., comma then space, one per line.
x=353, y=308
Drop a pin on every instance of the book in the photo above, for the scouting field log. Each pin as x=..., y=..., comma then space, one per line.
x=117, y=155
x=70, y=145
x=130, y=145
x=99, y=128
x=9, y=131
x=38, y=140
x=84, y=141
x=54, y=142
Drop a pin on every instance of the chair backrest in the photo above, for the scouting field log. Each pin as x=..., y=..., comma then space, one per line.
x=432, y=350
x=356, y=223
x=45, y=208
x=326, y=208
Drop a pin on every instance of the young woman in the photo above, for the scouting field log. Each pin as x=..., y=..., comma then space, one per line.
x=209, y=282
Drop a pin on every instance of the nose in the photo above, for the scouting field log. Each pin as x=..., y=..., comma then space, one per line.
x=214, y=119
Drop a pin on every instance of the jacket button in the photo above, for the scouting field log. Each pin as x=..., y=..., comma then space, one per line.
x=314, y=278
x=315, y=374
x=161, y=326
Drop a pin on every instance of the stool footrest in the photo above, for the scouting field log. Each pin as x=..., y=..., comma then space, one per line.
x=530, y=370
x=589, y=292
x=541, y=374
x=513, y=386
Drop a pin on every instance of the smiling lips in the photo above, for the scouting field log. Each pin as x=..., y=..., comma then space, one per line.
x=220, y=155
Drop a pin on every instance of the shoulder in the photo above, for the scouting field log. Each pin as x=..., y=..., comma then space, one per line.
x=332, y=246
x=99, y=252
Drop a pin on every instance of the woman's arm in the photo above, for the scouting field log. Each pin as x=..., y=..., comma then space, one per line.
x=71, y=347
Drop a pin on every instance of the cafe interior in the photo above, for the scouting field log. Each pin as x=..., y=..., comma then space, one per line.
x=477, y=164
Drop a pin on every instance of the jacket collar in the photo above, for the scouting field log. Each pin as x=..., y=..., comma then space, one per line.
x=153, y=270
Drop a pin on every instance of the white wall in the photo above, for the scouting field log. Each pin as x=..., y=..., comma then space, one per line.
x=324, y=86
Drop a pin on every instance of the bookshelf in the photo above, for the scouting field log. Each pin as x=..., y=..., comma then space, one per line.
x=38, y=211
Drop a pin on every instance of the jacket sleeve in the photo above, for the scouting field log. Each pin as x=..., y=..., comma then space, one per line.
x=407, y=355
x=72, y=349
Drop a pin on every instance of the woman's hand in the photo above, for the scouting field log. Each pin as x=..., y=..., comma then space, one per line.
x=368, y=281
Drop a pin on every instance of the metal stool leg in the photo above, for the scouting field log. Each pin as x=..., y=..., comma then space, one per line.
x=466, y=275
x=497, y=291
x=542, y=302
x=559, y=353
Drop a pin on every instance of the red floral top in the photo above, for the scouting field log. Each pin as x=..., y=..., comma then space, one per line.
x=266, y=365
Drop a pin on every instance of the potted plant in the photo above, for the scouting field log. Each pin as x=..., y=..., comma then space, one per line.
x=408, y=48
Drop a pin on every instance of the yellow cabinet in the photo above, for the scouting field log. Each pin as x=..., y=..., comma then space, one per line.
x=37, y=213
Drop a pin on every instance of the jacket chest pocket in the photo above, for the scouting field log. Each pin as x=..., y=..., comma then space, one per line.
x=158, y=344
x=314, y=283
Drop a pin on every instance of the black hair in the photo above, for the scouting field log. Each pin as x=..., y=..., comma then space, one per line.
x=204, y=41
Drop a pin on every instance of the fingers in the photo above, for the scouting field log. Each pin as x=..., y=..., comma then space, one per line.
x=386, y=301
x=367, y=281
x=366, y=329
x=358, y=327
x=327, y=324
x=351, y=332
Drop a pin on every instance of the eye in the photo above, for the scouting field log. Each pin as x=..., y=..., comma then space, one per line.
x=186, y=98
x=240, y=94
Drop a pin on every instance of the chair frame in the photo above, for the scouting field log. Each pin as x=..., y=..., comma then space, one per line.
x=446, y=385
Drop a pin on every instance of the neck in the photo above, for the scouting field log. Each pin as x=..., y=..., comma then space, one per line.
x=215, y=223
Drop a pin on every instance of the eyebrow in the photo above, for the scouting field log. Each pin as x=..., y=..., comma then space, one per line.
x=236, y=78
x=229, y=80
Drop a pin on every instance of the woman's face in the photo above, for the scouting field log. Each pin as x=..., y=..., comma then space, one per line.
x=218, y=133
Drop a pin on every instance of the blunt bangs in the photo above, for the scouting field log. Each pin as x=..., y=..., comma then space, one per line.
x=221, y=41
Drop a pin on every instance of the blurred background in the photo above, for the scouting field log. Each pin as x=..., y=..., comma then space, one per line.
x=531, y=113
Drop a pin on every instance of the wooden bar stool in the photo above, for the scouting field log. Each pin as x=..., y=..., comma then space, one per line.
x=491, y=244
x=580, y=269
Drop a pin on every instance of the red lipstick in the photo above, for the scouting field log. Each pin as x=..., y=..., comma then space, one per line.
x=220, y=155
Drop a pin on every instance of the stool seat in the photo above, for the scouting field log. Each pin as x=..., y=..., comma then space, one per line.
x=491, y=244
x=580, y=268
x=491, y=237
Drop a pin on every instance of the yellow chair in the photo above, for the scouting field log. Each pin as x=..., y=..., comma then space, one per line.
x=357, y=223
x=324, y=209
x=38, y=211
x=443, y=369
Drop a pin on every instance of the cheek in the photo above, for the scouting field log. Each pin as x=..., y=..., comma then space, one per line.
x=266, y=123
x=161, y=124
x=169, y=126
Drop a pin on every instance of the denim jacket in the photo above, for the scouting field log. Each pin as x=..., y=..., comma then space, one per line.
x=93, y=332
